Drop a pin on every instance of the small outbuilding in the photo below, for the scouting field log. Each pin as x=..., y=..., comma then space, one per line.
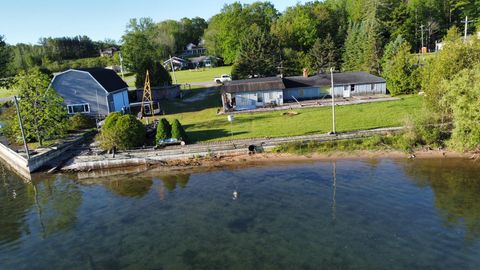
x=95, y=91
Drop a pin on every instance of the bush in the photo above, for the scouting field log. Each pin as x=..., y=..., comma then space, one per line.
x=178, y=132
x=121, y=132
x=164, y=130
x=81, y=121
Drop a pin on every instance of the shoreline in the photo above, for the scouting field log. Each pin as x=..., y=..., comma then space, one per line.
x=245, y=160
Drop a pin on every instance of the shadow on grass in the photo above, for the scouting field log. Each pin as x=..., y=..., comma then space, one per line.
x=212, y=134
x=211, y=100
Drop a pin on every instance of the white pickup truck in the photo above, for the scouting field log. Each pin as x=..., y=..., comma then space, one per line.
x=222, y=79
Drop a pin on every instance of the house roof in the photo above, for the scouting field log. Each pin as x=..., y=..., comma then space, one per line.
x=107, y=78
x=251, y=85
x=263, y=84
x=338, y=79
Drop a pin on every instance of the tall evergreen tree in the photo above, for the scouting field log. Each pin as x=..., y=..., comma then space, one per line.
x=259, y=55
x=322, y=56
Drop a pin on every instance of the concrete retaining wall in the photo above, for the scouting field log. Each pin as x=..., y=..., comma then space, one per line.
x=150, y=156
x=14, y=160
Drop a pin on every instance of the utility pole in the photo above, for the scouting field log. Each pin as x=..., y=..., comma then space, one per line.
x=466, y=28
x=121, y=64
x=421, y=29
x=21, y=128
x=173, y=69
x=333, y=103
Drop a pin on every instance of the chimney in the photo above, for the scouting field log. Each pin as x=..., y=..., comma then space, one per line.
x=305, y=72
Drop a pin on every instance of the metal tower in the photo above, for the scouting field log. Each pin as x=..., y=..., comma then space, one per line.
x=147, y=96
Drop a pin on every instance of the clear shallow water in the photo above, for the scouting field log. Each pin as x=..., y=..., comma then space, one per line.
x=378, y=214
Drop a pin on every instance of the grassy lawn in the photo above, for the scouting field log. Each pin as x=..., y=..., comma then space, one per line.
x=200, y=75
x=7, y=92
x=187, y=76
x=202, y=123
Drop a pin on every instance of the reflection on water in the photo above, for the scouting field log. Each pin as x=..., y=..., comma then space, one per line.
x=373, y=214
x=456, y=188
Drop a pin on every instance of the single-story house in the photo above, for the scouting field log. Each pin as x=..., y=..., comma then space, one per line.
x=108, y=52
x=261, y=92
x=177, y=62
x=93, y=91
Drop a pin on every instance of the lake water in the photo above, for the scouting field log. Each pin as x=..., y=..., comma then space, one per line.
x=372, y=214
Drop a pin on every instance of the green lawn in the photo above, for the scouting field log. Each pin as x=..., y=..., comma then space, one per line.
x=7, y=92
x=200, y=75
x=187, y=76
x=202, y=123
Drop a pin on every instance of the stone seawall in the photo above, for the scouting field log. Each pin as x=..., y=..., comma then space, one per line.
x=151, y=156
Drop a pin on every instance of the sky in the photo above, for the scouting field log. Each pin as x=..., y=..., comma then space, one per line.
x=25, y=21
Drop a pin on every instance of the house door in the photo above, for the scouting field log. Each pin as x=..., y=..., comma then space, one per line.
x=346, y=91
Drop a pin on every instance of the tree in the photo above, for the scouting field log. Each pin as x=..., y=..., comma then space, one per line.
x=232, y=24
x=178, y=132
x=164, y=130
x=6, y=57
x=463, y=98
x=259, y=55
x=43, y=113
x=453, y=58
x=322, y=56
x=159, y=76
x=362, y=47
x=400, y=71
x=121, y=132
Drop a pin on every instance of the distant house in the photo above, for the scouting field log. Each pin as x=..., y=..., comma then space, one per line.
x=95, y=91
x=192, y=49
x=177, y=62
x=108, y=52
x=261, y=92
x=206, y=61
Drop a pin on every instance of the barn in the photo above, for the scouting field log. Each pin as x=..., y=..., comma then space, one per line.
x=262, y=92
x=95, y=92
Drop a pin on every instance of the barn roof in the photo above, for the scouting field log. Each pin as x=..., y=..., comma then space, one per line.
x=107, y=78
x=251, y=85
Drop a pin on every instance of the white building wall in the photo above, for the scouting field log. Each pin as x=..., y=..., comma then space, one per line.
x=252, y=100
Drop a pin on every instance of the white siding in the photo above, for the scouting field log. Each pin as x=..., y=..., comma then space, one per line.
x=252, y=100
x=362, y=89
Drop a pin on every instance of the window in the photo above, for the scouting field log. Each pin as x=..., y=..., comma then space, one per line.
x=372, y=86
x=259, y=97
x=78, y=108
x=352, y=87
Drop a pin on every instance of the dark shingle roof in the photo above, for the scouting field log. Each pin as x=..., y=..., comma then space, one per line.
x=338, y=79
x=107, y=78
x=263, y=84
x=251, y=85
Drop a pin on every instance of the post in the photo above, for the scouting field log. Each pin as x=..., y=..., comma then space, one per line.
x=121, y=64
x=466, y=29
x=421, y=49
x=173, y=70
x=21, y=127
x=333, y=102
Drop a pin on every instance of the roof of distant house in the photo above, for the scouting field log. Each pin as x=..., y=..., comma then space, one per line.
x=107, y=78
x=256, y=84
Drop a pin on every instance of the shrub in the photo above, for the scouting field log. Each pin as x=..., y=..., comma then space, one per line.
x=81, y=121
x=122, y=132
x=178, y=132
x=164, y=130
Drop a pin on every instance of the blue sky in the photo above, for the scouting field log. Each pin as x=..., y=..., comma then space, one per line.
x=25, y=21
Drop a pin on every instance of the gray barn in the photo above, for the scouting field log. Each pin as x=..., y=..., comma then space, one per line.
x=261, y=92
x=96, y=91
